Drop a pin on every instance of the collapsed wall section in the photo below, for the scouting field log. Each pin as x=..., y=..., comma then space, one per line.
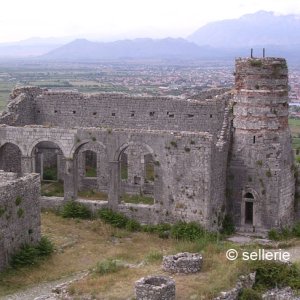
x=19, y=213
x=21, y=108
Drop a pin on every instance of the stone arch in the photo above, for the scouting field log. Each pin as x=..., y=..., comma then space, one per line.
x=10, y=157
x=48, y=159
x=49, y=140
x=136, y=185
x=95, y=186
x=77, y=146
x=128, y=144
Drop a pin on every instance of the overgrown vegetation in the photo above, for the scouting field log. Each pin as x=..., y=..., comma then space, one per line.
x=284, y=233
x=180, y=230
x=74, y=209
x=271, y=274
x=31, y=255
x=228, y=227
x=50, y=173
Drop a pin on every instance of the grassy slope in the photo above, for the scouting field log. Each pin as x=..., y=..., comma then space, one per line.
x=81, y=244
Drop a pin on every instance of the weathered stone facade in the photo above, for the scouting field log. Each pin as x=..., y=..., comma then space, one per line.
x=200, y=162
x=19, y=213
x=261, y=183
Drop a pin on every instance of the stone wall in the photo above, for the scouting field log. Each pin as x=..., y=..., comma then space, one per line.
x=30, y=105
x=21, y=108
x=19, y=213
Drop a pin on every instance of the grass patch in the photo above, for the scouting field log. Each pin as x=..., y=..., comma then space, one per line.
x=106, y=267
x=52, y=189
x=90, y=172
x=92, y=195
x=81, y=244
x=154, y=257
x=137, y=199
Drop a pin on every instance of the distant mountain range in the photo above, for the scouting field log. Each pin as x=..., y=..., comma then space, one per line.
x=280, y=35
x=259, y=29
x=127, y=49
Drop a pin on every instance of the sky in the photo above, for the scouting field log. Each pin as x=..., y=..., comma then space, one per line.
x=115, y=19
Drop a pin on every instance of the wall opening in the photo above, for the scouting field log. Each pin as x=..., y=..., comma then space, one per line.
x=91, y=171
x=10, y=158
x=137, y=175
x=254, y=139
x=50, y=164
x=249, y=212
x=90, y=159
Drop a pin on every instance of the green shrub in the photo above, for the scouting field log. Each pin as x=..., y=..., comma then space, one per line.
x=187, y=231
x=296, y=230
x=163, y=229
x=133, y=225
x=106, y=267
x=114, y=218
x=32, y=254
x=18, y=201
x=227, y=225
x=271, y=274
x=74, y=209
x=45, y=247
x=50, y=173
x=274, y=235
x=250, y=294
x=27, y=255
x=281, y=234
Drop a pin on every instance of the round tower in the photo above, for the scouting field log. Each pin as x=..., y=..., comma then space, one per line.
x=261, y=179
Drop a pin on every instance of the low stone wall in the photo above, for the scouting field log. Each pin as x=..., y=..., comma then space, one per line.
x=19, y=214
x=183, y=263
x=155, y=288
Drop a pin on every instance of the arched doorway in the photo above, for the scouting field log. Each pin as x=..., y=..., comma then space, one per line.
x=92, y=171
x=137, y=174
x=10, y=158
x=49, y=162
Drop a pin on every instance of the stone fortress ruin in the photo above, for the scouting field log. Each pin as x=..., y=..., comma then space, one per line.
x=199, y=159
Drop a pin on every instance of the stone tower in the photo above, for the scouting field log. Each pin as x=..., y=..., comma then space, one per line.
x=260, y=182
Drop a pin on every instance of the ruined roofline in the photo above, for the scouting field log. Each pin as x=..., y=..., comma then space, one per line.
x=268, y=58
x=113, y=130
x=39, y=92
